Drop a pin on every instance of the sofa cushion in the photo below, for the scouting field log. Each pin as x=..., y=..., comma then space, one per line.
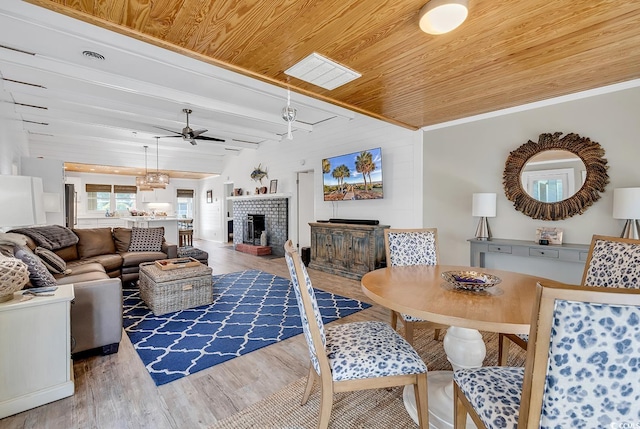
x=133, y=259
x=82, y=277
x=69, y=253
x=122, y=238
x=54, y=263
x=146, y=239
x=81, y=267
x=111, y=262
x=39, y=275
x=94, y=242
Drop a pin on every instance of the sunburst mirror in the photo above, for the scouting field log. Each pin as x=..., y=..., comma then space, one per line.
x=556, y=177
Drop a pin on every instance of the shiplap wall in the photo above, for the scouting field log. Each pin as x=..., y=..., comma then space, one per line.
x=402, y=172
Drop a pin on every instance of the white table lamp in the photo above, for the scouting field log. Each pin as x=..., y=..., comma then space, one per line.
x=626, y=205
x=483, y=206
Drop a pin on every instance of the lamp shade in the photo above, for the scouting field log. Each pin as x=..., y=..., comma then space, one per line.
x=626, y=203
x=442, y=16
x=484, y=205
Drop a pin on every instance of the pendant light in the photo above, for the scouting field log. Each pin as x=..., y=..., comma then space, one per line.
x=289, y=115
x=141, y=181
x=157, y=179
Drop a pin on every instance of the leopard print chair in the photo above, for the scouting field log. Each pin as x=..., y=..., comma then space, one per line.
x=581, y=370
x=612, y=262
x=353, y=356
x=406, y=247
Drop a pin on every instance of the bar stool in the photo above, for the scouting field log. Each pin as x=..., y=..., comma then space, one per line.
x=185, y=232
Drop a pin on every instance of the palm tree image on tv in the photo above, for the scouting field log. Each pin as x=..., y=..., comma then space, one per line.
x=355, y=176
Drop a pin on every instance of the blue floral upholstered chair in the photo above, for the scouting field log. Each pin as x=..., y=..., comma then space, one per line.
x=612, y=262
x=581, y=370
x=406, y=247
x=353, y=356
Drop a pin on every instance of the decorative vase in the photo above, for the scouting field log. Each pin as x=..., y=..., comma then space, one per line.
x=263, y=238
x=13, y=276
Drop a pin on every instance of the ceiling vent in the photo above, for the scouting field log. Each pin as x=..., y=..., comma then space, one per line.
x=93, y=55
x=322, y=72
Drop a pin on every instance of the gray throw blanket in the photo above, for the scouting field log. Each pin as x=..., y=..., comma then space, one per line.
x=51, y=237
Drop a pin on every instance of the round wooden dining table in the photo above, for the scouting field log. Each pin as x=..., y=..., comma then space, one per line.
x=421, y=291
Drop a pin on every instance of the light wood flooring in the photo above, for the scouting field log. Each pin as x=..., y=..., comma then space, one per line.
x=116, y=391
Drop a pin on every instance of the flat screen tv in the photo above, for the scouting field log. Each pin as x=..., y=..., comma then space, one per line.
x=354, y=176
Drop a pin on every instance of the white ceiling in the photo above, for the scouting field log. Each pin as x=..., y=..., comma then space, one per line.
x=104, y=112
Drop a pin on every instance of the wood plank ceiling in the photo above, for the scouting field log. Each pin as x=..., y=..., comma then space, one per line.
x=507, y=53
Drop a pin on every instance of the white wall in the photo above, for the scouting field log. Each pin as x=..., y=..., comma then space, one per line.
x=13, y=140
x=463, y=159
x=402, y=171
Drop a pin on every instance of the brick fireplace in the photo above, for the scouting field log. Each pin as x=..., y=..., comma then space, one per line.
x=276, y=220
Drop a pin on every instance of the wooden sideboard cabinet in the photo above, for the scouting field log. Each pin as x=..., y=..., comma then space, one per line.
x=348, y=250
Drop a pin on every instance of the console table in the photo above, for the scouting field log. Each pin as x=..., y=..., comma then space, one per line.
x=573, y=254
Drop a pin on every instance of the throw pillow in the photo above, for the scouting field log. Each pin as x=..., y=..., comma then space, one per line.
x=53, y=262
x=38, y=273
x=146, y=239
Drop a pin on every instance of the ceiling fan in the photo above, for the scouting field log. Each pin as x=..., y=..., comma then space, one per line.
x=190, y=135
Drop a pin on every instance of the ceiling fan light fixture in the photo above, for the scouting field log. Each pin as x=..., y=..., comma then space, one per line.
x=443, y=16
x=289, y=115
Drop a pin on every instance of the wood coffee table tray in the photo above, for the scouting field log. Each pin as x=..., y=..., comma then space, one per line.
x=172, y=264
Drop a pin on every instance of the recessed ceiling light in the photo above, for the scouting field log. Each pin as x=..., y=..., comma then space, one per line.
x=322, y=72
x=93, y=55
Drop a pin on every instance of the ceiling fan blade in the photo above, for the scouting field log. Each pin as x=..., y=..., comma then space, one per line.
x=196, y=133
x=193, y=142
x=169, y=137
x=171, y=131
x=213, y=139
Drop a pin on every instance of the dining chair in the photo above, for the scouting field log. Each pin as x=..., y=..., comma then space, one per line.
x=611, y=262
x=581, y=368
x=353, y=356
x=404, y=247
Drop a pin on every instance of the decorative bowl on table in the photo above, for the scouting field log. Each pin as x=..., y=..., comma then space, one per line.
x=471, y=280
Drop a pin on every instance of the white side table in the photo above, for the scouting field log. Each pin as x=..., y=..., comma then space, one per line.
x=35, y=351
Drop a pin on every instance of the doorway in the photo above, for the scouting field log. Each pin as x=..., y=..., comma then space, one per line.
x=306, y=207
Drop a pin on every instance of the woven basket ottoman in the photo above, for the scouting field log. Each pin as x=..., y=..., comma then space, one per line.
x=174, y=290
x=195, y=253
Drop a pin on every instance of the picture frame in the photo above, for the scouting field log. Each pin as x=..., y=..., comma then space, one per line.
x=209, y=196
x=273, y=186
x=551, y=235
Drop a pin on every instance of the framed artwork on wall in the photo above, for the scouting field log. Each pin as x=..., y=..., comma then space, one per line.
x=209, y=196
x=549, y=235
x=273, y=186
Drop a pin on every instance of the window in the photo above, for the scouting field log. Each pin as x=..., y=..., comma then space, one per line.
x=125, y=197
x=549, y=186
x=185, y=203
x=98, y=197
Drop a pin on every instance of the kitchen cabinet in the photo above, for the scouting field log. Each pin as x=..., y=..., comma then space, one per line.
x=348, y=250
x=100, y=222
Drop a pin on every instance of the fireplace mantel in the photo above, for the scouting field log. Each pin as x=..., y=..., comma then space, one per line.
x=259, y=196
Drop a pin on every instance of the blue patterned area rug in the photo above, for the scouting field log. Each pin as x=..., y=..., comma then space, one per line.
x=251, y=309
